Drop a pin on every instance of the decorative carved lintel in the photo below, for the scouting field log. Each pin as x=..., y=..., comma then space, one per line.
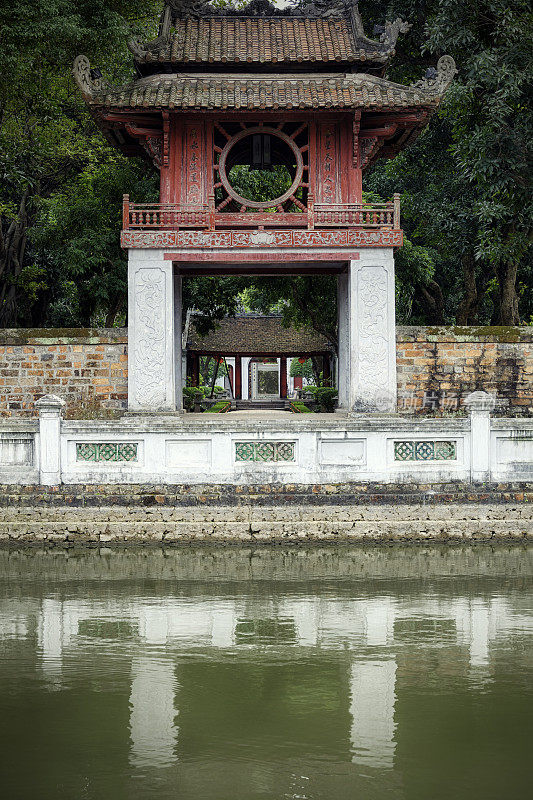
x=368, y=145
x=154, y=141
x=154, y=147
x=438, y=82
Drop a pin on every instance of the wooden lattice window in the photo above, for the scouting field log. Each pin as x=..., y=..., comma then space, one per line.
x=260, y=167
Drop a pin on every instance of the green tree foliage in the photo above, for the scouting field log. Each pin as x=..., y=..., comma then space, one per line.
x=304, y=370
x=465, y=183
x=212, y=299
x=52, y=157
x=304, y=302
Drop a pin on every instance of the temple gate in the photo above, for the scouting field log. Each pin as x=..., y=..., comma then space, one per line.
x=299, y=91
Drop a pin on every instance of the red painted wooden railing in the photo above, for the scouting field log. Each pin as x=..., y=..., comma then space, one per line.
x=172, y=216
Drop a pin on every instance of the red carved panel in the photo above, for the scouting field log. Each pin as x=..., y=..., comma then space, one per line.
x=233, y=240
x=194, y=165
x=327, y=163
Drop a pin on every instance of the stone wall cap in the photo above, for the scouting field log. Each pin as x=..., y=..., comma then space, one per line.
x=480, y=401
x=50, y=401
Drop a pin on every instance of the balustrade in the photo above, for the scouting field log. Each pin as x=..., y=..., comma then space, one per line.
x=173, y=216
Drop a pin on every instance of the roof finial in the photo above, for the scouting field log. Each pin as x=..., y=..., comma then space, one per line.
x=89, y=81
x=438, y=81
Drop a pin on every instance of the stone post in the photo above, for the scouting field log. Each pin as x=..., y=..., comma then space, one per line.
x=154, y=344
x=50, y=406
x=372, y=331
x=283, y=377
x=237, y=380
x=480, y=405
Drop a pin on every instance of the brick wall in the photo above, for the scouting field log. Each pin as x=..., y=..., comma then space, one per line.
x=86, y=367
x=436, y=366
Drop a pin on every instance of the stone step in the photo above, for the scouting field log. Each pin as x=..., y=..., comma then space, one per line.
x=275, y=524
x=255, y=405
x=252, y=513
x=118, y=532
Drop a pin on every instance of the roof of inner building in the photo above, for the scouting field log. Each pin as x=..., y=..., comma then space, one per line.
x=212, y=92
x=262, y=335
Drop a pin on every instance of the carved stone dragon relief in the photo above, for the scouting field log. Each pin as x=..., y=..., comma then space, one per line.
x=389, y=37
x=372, y=313
x=150, y=335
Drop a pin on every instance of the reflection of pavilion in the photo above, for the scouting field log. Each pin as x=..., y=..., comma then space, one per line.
x=153, y=729
x=347, y=662
x=257, y=351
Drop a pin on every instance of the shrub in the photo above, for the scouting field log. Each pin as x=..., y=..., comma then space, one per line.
x=191, y=394
x=90, y=407
x=325, y=397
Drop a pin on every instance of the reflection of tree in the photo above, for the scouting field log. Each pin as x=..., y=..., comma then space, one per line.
x=108, y=628
x=268, y=631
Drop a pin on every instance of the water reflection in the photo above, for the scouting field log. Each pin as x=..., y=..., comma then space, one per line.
x=372, y=698
x=248, y=678
x=153, y=731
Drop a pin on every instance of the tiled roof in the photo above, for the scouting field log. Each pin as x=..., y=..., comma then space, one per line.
x=256, y=334
x=262, y=40
x=353, y=90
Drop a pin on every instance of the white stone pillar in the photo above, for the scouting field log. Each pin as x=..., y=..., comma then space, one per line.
x=372, y=336
x=154, y=346
x=50, y=439
x=245, y=367
x=372, y=699
x=178, y=349
x=343, y=362
x=479, y=405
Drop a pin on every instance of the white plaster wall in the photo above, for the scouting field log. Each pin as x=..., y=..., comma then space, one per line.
x=19, y=453
x=511, y=449
x=328, y=449
x=201, y=452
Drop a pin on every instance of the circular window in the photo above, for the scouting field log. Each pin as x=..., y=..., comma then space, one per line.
x=260, y=150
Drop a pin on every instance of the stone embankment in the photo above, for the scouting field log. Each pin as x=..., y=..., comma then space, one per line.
x=278, y=514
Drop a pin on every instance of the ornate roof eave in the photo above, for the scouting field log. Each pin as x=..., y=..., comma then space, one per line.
x=96, y=91
x=135, y=117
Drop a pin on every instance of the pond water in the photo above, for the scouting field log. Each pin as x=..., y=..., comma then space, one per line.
x=240, y=674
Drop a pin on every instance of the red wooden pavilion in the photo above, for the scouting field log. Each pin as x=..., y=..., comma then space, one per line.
x=302, y=90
